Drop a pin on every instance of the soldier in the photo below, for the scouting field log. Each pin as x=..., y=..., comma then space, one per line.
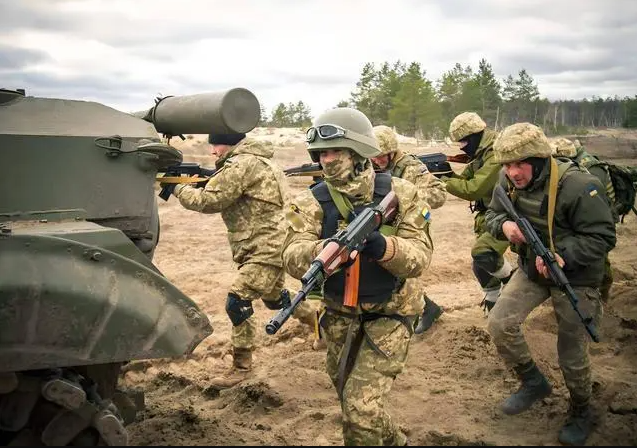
x=582, y=232
x=476, y=184
x=563, y=147
x=406, y=166
x=367, y=345
x=250, y=192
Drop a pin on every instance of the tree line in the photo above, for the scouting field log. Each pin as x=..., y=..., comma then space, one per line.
x=402, y=96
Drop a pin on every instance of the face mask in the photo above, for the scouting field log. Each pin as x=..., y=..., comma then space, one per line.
x=473, y=141
x=340, y=171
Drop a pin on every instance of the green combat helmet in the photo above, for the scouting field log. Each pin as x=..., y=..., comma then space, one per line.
x=342, y=127
x=465, y=124
x=386, y=138
x=521, y=141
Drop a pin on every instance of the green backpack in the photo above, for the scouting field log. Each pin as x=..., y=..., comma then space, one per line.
x=624, y=180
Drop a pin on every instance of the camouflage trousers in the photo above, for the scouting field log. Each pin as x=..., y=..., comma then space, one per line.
x=261, y=281
x=364, y=397
x=518, y=298
x=487, y=254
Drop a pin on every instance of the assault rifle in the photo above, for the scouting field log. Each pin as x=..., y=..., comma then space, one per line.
x=184, y=173
x=548, y=257
x=307, y=169
x=339, y=250
x=437, y=163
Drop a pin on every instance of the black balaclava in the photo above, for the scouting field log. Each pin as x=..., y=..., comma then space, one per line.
x=473, y=140
x=538, y=164
x=225, y=139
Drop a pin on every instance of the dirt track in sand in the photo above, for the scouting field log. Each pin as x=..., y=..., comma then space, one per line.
x=453, y=382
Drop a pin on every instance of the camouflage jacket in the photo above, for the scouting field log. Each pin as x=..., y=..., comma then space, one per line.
x=412, y=243
x=430, y=188
x=583, y=225
x=250, y=192
x=477, y=180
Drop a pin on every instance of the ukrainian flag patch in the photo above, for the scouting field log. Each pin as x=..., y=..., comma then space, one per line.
x=426, y=214
x=592, y=190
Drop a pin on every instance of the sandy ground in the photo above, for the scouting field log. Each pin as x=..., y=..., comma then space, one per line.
x=453, y=382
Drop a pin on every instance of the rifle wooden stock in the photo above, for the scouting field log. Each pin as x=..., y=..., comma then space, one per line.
x=184, y=173
x=352, y=279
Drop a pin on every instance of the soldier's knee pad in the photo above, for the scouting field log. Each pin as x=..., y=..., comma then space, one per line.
x=483, y=265
x=487, y=260
x=238, y=310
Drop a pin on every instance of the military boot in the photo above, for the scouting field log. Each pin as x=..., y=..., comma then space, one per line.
x=578, y=426
x=534, y=387
x=430, y=314
x=241, y=367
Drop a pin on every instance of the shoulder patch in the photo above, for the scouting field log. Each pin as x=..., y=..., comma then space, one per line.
x=426, y=213
x=295, y=218
x=591, y=189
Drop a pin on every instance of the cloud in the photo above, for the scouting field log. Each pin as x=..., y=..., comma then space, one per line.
x=125, y=53
x=13, y=58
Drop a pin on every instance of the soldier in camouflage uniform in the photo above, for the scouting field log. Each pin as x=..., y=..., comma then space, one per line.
x=476, y=184
x=367, y=345
x=250, y=192
x=583, y=233
x=563, y=147
x=406, y=166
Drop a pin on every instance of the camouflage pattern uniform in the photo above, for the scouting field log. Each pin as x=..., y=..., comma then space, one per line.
x=387, y=326
x=250, y=192
x=563, y=147
x=431, y=189
x=408, y=167
x=475, y=184
x=583, y=233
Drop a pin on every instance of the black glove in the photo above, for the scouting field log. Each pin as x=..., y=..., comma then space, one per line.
x=375, y=246
x=238, y=310
x=282, y=302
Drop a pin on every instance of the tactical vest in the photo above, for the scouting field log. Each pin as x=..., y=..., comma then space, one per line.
x=377, y=284
x=534, y=206
x=587, y=160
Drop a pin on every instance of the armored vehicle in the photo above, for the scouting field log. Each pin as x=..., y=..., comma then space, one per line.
x=79, y=223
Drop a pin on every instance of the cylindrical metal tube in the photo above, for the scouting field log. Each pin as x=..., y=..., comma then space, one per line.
x=230, y=111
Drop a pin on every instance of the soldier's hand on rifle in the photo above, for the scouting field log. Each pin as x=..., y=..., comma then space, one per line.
x=513, y=233
x=541, y=267
x=375, y=246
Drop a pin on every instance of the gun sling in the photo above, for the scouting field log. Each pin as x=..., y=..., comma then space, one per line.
x=356, y=334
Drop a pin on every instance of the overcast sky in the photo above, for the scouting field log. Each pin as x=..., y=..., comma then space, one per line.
x=124, y=53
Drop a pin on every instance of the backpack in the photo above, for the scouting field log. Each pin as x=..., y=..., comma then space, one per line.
x=624, y=179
